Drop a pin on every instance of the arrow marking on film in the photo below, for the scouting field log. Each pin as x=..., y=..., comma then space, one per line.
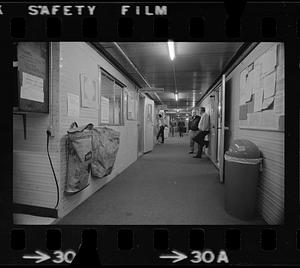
x=39, y=258
x=177, y=257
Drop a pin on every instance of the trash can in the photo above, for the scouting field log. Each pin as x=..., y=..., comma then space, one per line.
x=242, y=168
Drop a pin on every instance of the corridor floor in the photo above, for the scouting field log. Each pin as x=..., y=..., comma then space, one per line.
x=165, y=186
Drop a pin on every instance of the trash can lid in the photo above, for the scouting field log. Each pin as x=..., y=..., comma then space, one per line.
x=243, y=149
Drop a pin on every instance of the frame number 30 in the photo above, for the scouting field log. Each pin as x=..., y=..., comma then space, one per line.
x=66, y=256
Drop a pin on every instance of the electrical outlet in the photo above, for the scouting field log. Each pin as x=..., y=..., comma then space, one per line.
x=50, y=129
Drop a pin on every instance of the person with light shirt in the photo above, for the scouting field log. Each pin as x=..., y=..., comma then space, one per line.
x=203, y=131
x=161, y=127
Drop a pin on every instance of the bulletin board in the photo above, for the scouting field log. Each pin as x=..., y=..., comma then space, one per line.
x=33, y=76
x=262, y=92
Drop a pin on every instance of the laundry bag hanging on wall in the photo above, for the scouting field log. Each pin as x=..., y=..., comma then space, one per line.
x=79, y=157
x=105, y=144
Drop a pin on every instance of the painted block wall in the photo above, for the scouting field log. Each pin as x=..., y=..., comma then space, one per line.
x=76, y=58
x=33, y=182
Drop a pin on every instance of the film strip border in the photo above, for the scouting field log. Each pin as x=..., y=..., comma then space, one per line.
x=144, y=22
x=114, y=245
x=183, y=22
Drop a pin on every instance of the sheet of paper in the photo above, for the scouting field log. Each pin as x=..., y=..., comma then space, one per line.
x=258, y=100
x=73, y=105
x=270, y=120
x=249, y=86
x=88, y=92
x=270, y=60
x=256, y=76
x=243, y=112
x=131, y=105
x=255, y=120
x=279, y=103
x=104, y=110
x=269, y=85
x=243, y=85
x=267, y=103
x=32, y=87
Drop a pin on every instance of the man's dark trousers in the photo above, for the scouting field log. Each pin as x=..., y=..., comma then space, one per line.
x=161, y=133
x=200, y=140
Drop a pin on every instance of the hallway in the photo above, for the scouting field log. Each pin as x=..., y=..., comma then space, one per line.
x=165, y=186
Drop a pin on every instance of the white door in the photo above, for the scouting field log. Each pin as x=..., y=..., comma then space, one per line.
x=223, y=129
x=149, y=124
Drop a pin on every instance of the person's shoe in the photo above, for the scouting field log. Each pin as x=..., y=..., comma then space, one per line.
x=197, y=156
x=191, y=152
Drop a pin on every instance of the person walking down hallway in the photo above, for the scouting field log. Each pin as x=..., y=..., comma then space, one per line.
x=193, y=129
x=161, y=126
x=181, y=126
x=203, y=131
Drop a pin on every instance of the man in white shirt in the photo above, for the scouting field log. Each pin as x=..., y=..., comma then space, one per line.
x=203, y=131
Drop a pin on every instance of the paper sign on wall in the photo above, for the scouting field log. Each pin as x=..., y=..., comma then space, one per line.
x=73, y=105
x=269, y=85
x=270, y=60
x=104, y=110
x=131, y=104
x=258, y=100
x=32, y=87
x=88, y=92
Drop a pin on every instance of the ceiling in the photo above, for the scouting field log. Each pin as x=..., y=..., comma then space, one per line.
x=195, y=68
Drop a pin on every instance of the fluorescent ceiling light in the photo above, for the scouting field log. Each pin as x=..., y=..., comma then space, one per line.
x=176, y=96
x=171, y=50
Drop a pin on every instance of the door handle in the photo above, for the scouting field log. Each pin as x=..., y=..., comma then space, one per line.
x=226, y=128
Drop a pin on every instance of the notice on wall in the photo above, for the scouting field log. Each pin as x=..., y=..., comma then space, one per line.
x=245, y=93
x=269, y=60
x=258, y=100
x=267, y=103
x=256, y=75
x=269, y=85
x=73, y=105
x=32, y=87
x=243, y=112
x=131, y=104
x=279, y=98
x=88, y=92
x=104, y=110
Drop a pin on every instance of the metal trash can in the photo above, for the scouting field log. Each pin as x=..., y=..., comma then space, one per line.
x=242, y=167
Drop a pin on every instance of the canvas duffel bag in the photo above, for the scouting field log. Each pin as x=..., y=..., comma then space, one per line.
x=79, y=157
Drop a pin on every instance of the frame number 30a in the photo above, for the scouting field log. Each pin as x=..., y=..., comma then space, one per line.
x=66, y=256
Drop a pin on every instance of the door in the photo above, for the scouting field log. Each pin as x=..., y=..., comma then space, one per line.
x=149, y=125
x=214, y=99
x=141, y=108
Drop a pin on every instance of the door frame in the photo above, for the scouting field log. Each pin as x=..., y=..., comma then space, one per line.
x=223, y=129
x=140, y=125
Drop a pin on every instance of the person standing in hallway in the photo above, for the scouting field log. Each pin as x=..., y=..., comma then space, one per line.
x=161, y=128
x=181, y=127
x=203, y=131
x=193, y=129
x=173, y=125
